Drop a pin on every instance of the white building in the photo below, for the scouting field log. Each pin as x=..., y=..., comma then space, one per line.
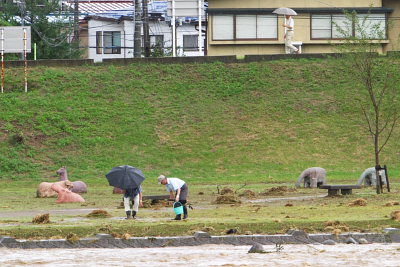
x=113, y=38
x=107, y=30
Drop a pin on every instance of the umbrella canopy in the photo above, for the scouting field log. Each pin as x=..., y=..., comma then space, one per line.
x=285, y=11
x=125, y=177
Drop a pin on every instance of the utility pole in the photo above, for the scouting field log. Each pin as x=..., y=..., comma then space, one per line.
x=146, y=34
x=137, y=40
x=76, y=24
x=173, y=30
x=200, y=40
x=22, y=9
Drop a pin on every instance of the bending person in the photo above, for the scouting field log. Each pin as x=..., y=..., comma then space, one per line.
x=181, y=190
x=135, y=195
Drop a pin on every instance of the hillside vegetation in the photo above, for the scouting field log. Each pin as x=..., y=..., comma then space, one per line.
x=206, y=123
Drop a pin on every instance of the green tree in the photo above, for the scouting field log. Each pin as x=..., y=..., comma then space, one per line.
x=376, y=78
x=51, y=27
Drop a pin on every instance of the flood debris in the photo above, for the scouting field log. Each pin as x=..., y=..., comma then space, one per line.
x=336, y=227
x=208, y=229
x=226, y=190
x=248, y=194
x=156, y=203
x=72, y=238
x=227, y=199
x=126, y=236
x=392, y=203
x=277, y=191
x=395, y=215
x=41, y=219
x=358, y=202
x=99, y=214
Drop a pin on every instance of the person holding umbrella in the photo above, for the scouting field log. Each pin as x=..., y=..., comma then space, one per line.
x=135, y=195
x=181, y=190
x=129, y=179
x=289, y=27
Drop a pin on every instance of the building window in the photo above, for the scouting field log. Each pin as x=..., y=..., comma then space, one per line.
x=190, y=42
x=223, y=27
x=112, y=42
x=372, y=26
x=245, y=27
x=157, y=40
x=99, y=43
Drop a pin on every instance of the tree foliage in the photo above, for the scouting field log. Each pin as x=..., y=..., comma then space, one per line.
x=51, y=27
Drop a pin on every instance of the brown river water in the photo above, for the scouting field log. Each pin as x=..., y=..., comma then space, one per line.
x=351, y=255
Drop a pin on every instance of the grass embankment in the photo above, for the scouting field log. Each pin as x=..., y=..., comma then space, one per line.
x=260, y=123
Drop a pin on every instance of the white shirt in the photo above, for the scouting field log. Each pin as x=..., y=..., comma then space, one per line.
x=174, y=184
x=290, y=24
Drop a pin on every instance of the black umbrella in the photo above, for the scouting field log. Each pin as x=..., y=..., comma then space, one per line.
x=125, y=177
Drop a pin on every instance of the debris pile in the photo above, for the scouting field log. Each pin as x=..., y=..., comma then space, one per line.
x=98, y=214
x=42, y=219
x=358, y=202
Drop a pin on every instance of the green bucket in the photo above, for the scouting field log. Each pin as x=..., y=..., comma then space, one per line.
x=178, y=208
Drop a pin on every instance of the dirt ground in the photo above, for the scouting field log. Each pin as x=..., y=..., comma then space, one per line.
x=383, y=255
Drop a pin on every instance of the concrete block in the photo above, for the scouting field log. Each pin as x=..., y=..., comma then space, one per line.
x=393, y=234
x=201, y=234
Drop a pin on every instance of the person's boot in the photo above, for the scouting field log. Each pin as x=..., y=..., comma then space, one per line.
x=128, y=214
x=185, y=212
x=177, y=218
x=134, y=214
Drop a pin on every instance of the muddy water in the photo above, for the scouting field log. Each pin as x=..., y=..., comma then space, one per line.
x=209, y=255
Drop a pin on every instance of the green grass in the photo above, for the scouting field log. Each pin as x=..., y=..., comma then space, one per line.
x=206, y=123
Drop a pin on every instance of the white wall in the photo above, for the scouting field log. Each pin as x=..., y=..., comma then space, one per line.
x=127, y=32
x=126, y=28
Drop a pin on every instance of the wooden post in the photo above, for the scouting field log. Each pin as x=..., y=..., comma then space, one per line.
x=25, y=63
x=378, y=179
x=387, y=177
x=2, y=60
x=146, y=31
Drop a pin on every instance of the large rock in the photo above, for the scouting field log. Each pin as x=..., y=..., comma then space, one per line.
x=257, y=248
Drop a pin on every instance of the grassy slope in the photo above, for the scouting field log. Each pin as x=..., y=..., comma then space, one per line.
x=206, y=123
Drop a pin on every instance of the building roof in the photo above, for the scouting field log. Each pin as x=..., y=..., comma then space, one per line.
x=298, y=10
x=95, y=7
